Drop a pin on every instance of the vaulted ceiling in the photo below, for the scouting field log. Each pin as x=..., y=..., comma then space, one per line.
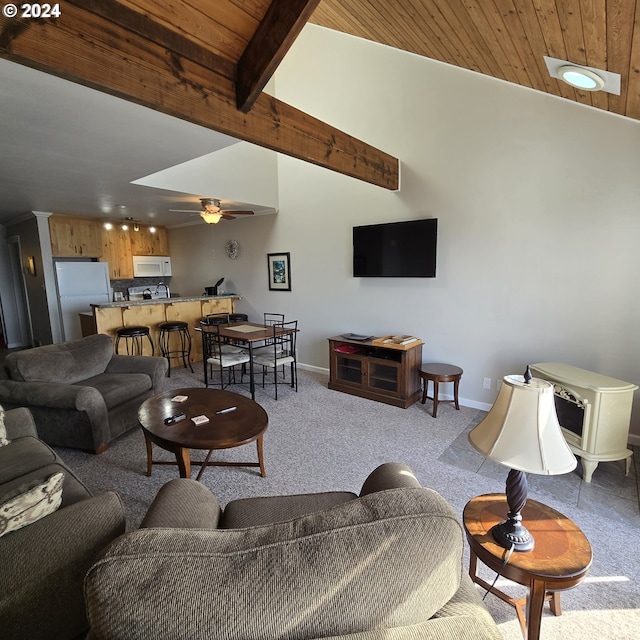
x=508, y=39
x=207, y=61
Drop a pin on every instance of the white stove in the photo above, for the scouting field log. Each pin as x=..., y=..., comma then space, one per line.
x=153, y=292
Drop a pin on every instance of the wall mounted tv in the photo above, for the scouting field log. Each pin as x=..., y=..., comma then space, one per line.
x=396, y=249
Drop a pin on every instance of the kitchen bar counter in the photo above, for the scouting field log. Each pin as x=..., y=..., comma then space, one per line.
x=130, y=303
x=150, y=313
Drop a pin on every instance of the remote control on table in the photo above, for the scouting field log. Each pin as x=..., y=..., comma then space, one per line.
x=174, y=419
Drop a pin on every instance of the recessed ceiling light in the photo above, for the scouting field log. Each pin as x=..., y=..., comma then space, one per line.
x=581, y=78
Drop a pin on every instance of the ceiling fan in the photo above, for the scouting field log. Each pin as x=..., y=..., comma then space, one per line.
x=211, y=212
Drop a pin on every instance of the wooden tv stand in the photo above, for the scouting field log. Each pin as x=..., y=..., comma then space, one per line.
x=377, y=372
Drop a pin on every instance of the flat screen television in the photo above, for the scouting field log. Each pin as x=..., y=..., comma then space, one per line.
x=396, y=249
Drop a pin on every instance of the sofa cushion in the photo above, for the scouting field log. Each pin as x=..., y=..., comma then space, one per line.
x=23, y=455
x=118, y=388
x=73, y=490
x=252, y=512
x=68, y=362
x=31, y=504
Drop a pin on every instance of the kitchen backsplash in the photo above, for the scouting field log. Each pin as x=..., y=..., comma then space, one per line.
x=122, y=286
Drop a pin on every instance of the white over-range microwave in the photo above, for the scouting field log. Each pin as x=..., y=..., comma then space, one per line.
x=151, y=266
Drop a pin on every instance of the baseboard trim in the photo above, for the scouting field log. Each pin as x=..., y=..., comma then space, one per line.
x=310, y=367
x=473, y=404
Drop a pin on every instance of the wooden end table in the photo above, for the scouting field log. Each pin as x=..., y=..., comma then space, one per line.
x=439, y=372
x=247, y=423
x=560, y=559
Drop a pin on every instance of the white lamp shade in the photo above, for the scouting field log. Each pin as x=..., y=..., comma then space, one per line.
x=521, y=431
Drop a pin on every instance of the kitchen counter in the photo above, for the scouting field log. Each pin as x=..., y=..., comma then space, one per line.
x=110, y=316
x=131, y=303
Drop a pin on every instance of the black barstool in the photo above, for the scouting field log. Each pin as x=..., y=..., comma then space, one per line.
x=184, y=352
x=133, y=339
x=238, y=317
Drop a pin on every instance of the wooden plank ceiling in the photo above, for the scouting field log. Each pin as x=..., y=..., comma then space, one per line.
x=507, y=39
x=207, y=61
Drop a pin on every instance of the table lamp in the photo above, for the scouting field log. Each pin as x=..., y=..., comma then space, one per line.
x=521, y=431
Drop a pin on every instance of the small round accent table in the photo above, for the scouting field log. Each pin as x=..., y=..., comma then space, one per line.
x=438, y=372
x=560, y=559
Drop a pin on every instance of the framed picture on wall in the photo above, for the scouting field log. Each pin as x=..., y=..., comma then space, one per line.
x=279, y=271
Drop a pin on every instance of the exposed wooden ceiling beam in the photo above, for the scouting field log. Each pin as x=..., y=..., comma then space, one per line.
x=276, y=33
x=139, y=23
x=88, y=49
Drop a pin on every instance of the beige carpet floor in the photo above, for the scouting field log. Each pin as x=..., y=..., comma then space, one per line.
x=321, y=440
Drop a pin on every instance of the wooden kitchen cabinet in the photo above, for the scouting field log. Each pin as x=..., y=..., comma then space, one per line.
x=385, y=374
x=116, y=250
x=75, y=237
x=145, y=243
x=110, y=316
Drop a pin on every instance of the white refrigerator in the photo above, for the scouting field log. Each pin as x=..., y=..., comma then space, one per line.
x=80, y=284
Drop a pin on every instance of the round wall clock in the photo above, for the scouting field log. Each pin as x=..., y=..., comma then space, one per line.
x=233, y=249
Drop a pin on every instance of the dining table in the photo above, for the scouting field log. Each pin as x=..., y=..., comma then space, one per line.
x=248, y=334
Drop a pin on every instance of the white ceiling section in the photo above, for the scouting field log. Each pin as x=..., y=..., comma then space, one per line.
x=68, y=149
x=239, y=173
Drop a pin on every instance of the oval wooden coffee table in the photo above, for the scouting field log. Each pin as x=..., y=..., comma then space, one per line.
x=246, y=423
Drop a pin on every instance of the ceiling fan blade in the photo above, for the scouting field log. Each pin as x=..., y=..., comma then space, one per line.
x=185, y=210
x=237, y=213
x=226, y=216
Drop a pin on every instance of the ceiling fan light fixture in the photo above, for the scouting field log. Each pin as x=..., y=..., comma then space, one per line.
x=211, y=218
x=581, y=78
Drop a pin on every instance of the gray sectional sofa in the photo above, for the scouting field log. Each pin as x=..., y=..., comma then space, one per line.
x=43, y=564
x=381, y=565
x=80, y=393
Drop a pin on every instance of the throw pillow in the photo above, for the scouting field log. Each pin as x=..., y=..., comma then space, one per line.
x=31, y=505
x=3, y=429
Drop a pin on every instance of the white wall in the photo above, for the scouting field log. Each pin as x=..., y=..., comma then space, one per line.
x=538, y=207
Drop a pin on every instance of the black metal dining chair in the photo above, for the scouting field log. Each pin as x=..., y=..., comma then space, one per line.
x=216, y=353
x=222, y=318
x=280, y=352
x=216, y=318
x=269, y=320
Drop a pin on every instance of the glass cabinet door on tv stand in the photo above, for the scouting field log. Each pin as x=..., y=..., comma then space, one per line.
x=376, y=372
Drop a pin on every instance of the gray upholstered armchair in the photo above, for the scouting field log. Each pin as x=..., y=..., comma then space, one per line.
x=384, y=564
x=80, y=393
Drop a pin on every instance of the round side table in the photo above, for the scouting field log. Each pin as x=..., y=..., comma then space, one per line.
x=560, y=559
x=439, y=372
